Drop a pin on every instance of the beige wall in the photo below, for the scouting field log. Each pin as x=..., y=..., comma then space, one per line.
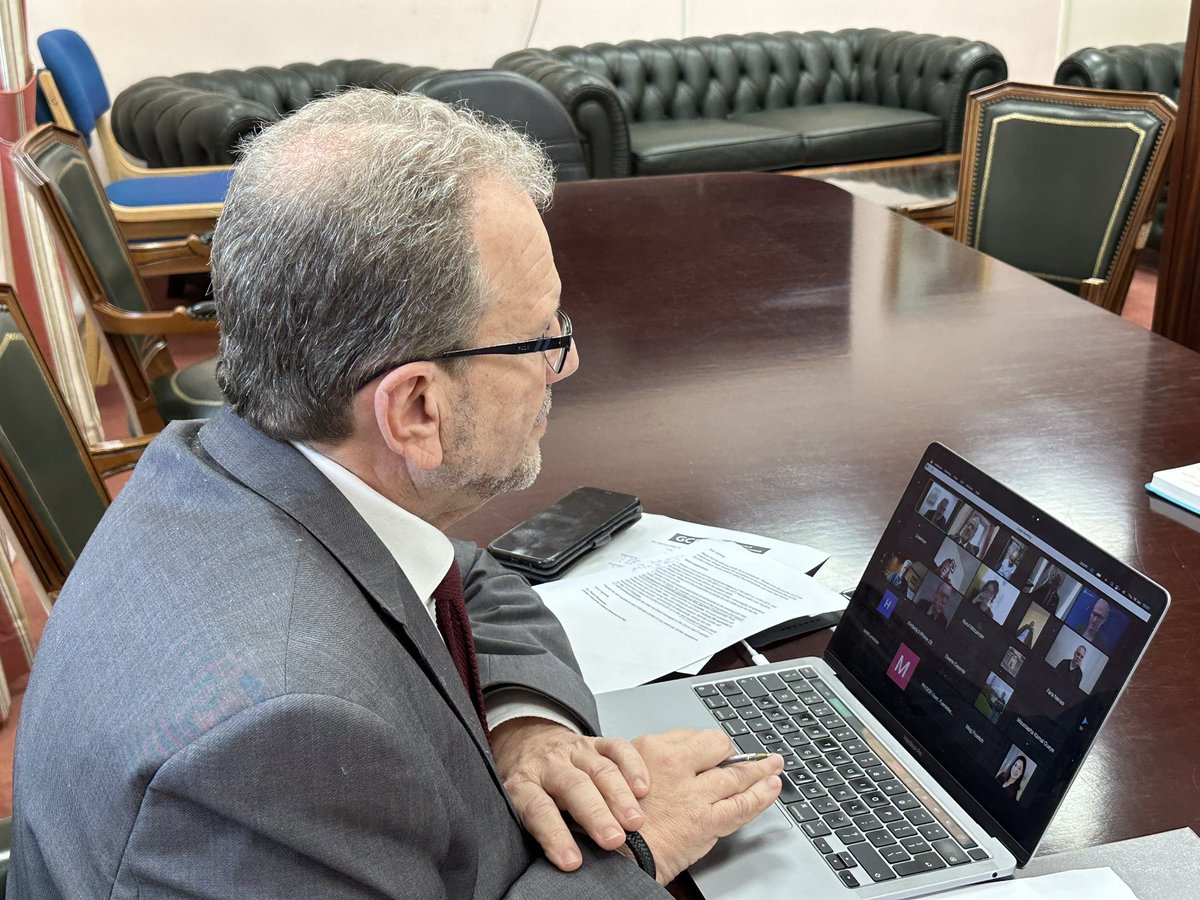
x=1025, y=31
x=1101, y=23
x=134, y=39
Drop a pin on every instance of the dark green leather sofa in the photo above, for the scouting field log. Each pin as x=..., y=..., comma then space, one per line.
x=1129, y=67
x=201, y=118
x=763, y=101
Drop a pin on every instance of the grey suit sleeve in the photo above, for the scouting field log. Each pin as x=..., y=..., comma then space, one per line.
x=520, y=643
x=307, y=795
x=603, y=876
x=301, y=795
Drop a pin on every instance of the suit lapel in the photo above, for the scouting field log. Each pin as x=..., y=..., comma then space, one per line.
x=278, y=473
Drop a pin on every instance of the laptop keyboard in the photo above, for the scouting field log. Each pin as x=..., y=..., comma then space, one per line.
x=862, y=810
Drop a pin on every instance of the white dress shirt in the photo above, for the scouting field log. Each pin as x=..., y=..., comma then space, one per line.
x=424, y=554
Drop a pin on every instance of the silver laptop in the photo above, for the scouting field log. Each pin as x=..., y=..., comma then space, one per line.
x=932, y=743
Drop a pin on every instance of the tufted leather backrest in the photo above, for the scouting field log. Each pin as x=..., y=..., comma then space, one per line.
x=708, y=78
x=198, y=118
x=1146, y=67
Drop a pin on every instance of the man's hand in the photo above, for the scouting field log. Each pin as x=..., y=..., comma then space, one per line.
x=692, y=802
x=548, y=769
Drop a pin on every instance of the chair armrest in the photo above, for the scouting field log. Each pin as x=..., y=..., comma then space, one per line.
x=112, y=457
x=173, y=257
x=1092, y=290
x=591, y=101
x=197, y=317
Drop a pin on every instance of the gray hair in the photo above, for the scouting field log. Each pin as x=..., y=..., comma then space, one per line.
x=345, y=246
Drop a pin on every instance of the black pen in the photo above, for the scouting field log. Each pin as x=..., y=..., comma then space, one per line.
x=741, y=758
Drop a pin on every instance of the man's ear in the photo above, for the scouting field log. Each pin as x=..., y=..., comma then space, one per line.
x=409, y=404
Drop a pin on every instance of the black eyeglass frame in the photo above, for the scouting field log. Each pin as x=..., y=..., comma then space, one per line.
x=537, y=345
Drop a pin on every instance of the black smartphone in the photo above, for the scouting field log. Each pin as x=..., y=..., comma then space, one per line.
x=542, y=546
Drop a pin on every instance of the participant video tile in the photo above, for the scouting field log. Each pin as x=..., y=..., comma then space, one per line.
x=1077, y=661
x=994, y=698
x=1015, y=772
x=973, y=530
x=1098, y=620
x=1010, y=558
x=1012, y=661
x=992, y=594
x=1032, y=623
x=955, y=564
x=1051, y=587
x=937, y=599
x=938, y=506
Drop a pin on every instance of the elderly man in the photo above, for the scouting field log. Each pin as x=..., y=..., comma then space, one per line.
x=938, y=516
x=1072, y=669
x=270, y=673
x=1096, y=619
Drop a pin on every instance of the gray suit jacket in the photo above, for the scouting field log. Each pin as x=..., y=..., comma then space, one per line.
x=240, y=695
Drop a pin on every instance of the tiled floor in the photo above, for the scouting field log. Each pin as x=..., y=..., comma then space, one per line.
x=1139, y=308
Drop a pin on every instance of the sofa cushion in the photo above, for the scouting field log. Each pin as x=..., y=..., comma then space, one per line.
x=710, y=145
x=835, y=133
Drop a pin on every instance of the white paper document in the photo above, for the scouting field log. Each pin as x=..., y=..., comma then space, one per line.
x=631, y=625
x=1095, y=884
x=649, y=540
x=653, y=537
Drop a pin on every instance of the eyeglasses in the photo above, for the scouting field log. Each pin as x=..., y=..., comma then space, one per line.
x=554, y=345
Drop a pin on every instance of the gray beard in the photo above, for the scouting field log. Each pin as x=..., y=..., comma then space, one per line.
x=463, y=472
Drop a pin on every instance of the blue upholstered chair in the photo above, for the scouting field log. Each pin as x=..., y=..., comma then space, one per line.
x=147, y=203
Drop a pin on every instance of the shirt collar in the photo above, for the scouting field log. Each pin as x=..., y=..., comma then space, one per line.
x=423, y=553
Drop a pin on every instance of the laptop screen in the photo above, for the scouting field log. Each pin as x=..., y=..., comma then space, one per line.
x=994, y=641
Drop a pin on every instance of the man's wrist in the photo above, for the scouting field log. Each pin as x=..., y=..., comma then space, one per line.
x=640, y=850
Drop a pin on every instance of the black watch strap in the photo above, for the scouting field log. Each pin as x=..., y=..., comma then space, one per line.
x=641, y=853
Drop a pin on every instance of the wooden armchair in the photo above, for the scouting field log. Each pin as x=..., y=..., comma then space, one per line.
x=51, y=488
x=55, y=162
x=1062, y=181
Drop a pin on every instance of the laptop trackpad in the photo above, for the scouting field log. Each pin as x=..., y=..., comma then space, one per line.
x=753, y=862
x=771, y=820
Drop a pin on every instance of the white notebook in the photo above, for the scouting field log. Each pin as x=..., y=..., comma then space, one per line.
x=1181, y=486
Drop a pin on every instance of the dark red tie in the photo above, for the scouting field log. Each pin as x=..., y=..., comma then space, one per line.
x=450, y=609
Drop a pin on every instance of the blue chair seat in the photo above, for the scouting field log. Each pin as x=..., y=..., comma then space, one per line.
x=171, y=190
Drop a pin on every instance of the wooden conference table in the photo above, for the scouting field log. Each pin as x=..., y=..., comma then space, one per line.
x=773, y=355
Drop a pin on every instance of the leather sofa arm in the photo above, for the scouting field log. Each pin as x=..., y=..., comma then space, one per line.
x=928, y=72
x=591, y=101
x=167, y=123
x=1145, y=67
